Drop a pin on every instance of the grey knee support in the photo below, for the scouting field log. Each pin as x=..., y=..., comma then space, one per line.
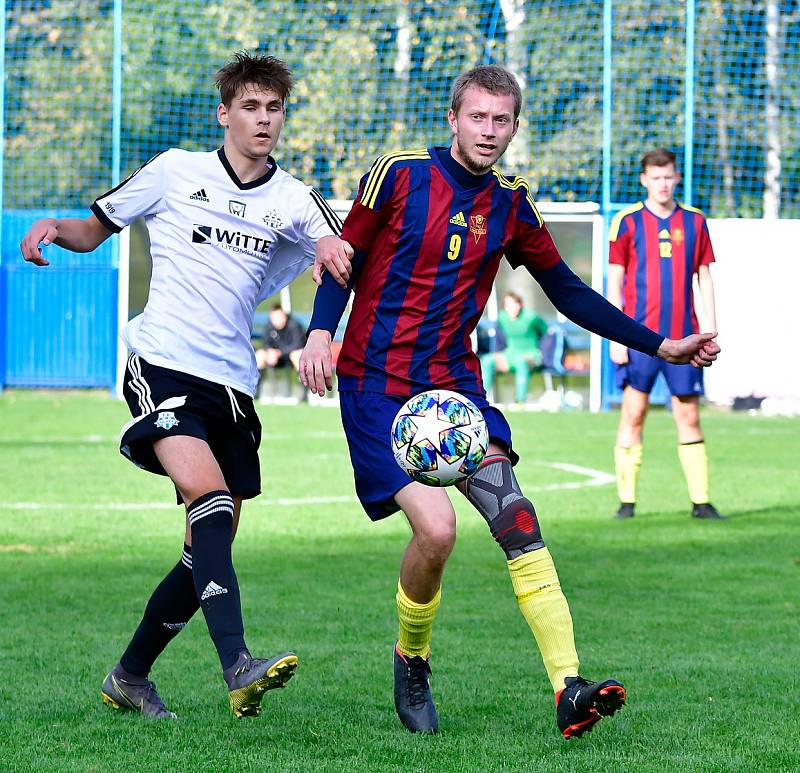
x=494, y=491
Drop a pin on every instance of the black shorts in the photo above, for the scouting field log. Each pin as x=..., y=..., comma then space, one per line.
x=167, y=402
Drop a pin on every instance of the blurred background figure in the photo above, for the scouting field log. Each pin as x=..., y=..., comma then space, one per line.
x=283, y=343
x=522, y=330
x=656, y=248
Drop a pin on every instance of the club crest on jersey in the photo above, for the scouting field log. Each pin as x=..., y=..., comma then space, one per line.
x=273, y=219
x=477, y=226
x=166, y=420
x=677, y=235
x=236, y=207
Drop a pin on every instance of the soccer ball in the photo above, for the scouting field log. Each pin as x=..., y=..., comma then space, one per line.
x=439, y=437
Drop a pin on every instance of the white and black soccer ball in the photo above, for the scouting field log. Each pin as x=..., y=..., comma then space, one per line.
x=439, y=437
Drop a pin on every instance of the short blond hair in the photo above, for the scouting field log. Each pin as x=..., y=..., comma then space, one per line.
x=489, y=77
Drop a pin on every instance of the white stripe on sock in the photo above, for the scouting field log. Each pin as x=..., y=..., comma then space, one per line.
x=220, y=503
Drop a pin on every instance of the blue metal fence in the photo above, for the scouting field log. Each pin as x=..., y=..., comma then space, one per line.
x=58, y=323
x=93, y=88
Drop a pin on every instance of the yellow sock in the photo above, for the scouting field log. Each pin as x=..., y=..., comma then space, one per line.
x=416, y=623
x=627, y=462
x=695, y=467
x=547, y=613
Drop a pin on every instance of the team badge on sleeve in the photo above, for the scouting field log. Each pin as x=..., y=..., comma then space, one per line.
x=166, y=420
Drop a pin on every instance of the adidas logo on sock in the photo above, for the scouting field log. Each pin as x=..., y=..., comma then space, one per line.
x=212, y=589
x=174, y=626
x=200, y=196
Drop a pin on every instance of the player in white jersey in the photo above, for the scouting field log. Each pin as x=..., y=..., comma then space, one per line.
x=227, y=229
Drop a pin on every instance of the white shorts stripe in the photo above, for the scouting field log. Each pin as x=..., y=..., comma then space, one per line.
x=234, y=403
x=139, y=385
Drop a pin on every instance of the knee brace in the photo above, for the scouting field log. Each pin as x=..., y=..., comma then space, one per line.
x=512, y=519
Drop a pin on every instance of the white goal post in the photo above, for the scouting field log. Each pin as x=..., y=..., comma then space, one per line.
x=584, y=212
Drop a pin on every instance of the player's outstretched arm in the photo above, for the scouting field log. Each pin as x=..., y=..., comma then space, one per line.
x=315, y=369
x=75, y=234
x=699, y=350
x=335, y=256
x=616, y=274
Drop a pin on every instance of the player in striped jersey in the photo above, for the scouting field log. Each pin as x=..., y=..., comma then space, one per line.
x=429, y=228
x=228, y=229
x=656, y=248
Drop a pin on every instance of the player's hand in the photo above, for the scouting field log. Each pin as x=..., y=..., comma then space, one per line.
x=618, y=353
x=41, y=232
x=335, y=256
x=699, y=350
x=315, y=369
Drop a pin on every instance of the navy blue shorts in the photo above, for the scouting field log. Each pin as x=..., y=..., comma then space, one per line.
x=367, y=420
x=642, y=370
x=167, y=402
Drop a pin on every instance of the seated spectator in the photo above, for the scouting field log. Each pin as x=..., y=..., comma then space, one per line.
x=284, y=339
x=523, y=330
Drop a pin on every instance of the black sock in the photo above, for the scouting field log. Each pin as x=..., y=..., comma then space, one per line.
x=211, y=522
x=170, y=607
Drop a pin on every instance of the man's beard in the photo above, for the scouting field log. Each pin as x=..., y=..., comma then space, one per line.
x=474, y=165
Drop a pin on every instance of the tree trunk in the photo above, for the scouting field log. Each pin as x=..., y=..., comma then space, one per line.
x=518, y=155
x=402, y=65
x=723, y=120
x=772, y=172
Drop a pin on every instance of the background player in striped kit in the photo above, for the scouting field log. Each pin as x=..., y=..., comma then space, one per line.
x=657, y=246
x=228, y=229
x=429, y=228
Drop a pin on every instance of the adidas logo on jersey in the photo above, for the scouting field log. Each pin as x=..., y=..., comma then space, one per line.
x=212, y=589
x=458, y=219
x=200, y=196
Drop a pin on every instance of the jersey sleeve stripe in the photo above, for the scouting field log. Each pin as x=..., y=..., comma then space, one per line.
x=379, y=170
x=104, y=219
x=331, y=218
x=130, y=176
x=613, y=229
x=515, y=184
x=692, y=209
x=380, y=167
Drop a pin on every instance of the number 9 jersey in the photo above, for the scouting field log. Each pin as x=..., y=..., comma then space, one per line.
x=431, y=236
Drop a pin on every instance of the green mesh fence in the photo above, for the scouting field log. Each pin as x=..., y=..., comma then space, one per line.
x=374, y=76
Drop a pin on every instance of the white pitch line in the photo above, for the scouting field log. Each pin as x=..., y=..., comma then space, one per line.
x=281, y=502
x=60, y=439
x=66, y=439
x=593, y=478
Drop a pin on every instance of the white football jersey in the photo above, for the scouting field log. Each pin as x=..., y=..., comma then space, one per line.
x=219, y=247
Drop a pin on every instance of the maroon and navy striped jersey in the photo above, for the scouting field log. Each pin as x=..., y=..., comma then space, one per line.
x=660, y=257
x=431, y=245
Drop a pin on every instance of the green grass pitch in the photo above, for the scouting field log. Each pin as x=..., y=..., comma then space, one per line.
x=700, y=620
